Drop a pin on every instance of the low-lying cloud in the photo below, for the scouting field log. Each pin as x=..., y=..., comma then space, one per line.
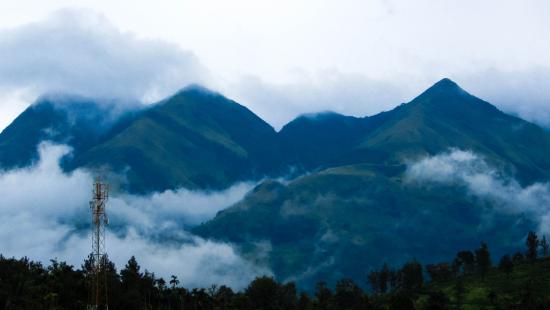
x=80, y=52
x=46, y=215
x=470, y=170
x=524, y=93
x=330, y=90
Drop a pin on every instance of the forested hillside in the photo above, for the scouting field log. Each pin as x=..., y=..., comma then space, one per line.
x=473, y=280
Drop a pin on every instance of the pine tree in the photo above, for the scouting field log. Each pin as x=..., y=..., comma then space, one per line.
x=411, y=276
x=383, y=278
x=373, y=281
x=323, y=296
x=483, y=259
x=459, y=291
x=544, y=245
x=532, y=243
x=506, y=265
x=466, y=259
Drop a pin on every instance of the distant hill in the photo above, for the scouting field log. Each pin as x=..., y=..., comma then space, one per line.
x=359, y=211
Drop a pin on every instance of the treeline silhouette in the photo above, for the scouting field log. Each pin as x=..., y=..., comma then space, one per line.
x=25, y=284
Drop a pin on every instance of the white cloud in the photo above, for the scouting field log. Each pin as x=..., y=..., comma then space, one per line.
x=524, y=93
x=470, y=170
x=329, y=90
x=81, y=52
x=354, y=57
x=43, y=210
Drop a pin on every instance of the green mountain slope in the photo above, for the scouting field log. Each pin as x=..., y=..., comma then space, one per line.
x=343, y=221
x=525, y=286
x=195, y=139
x=361, y=210
x=325, y=139
x=76, y=121
x=446, y=116
x=355, y=208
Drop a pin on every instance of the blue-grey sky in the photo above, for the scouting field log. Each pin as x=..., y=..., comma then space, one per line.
x=280, y=58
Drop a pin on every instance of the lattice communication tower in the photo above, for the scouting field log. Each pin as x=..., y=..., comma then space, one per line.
x=100, y=195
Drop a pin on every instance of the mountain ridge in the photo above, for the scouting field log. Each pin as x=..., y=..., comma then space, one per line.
x=348, y=205
x=200, y=121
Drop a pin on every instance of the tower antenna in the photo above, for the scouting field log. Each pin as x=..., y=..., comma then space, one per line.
x=100, y=195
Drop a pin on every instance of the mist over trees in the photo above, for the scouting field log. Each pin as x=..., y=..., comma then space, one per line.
x=25, y=284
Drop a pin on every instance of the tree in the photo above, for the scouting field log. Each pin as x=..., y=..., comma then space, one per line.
x=518, y=258
x=348, y=295
x=411, y=276
x=544, y=245
x=263, y=293
x=532, y=243
x=131, y=274
x=223, y=297
x=459, y=291
x=483, y=259
x=131, y=278
x=401, y=301
x=174, y=281
x=323, y=296
x=466, y=259
x=437, y=301
x=304, y=302
x=439, y=272
x=506, y=265
x=383, y=278
x=373, y=281
x=288, y=297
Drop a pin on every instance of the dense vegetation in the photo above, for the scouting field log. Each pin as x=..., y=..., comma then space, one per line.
x=470, y=281
x=355, y=196
x=362, y=198
x=199, y=139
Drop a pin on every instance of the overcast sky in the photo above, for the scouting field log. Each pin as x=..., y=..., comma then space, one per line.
x=280, y=58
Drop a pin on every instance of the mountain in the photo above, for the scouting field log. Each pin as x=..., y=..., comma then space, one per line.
x=360, y=209
x=352, y=206
x=316, y=140
x=76, y=121
x=442, y=117
x=196, y=139
x=446, y=116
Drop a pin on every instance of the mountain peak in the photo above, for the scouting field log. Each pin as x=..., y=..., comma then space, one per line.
x=443, y=90
x=446, y=86
x=196, y=89
x=446, y=83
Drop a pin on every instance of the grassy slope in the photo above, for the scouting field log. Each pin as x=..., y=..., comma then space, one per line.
x=446, y=116
x=508, y=287
x=195, y=139
x=350, y=219
x=361, y=212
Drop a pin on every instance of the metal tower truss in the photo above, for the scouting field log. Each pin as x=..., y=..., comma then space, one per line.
x=100, y=195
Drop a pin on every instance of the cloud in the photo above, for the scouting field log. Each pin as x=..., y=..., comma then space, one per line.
x=45, y=214
x=471, y=171
x=81, y=52
x=524, y=93
x=327, y=90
